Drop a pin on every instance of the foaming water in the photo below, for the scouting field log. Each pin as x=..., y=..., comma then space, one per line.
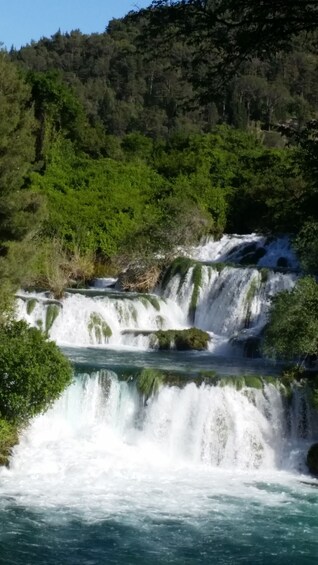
x=230, y=300
x=193, y=474
x=233, y=248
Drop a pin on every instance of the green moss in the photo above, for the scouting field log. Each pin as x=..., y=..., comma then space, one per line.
x=264, y=272
x=39, y=324
x=153, y=300
x=179, y=266
x=271, y=381
x=134, y=313
x=149, y=381
x=160, y=322
x=253, y=381
x=252, y=291
x=182, y=340
x=99, y=327
x=196, y=281
x=31, y=303
x=8, y=439
x=52, y=313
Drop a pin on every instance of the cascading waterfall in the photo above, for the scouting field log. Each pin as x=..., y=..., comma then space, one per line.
x=102, y=424
x=116, y=319
x=230, y=303
x=231, y=299
x=192, y=473
x=249, y=249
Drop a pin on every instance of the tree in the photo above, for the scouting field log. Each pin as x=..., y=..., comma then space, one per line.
x=292, y=331
x=306, y=245
x=20, y=209
x=229, y=32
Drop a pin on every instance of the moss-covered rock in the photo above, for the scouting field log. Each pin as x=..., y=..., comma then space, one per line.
x=149, y=381
x=179, y=266
x=99, y=328
x=196, y=281
x=52, y=312
x=312, y=459
x=30, y=305
x=182, y=340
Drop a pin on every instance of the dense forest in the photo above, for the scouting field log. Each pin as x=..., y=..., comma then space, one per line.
x=127, y=139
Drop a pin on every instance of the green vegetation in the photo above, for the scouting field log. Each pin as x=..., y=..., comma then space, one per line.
x=33, y=373
x=52, y=312
x=250, y=295
x=292, y=331
x=20, y=209
x=98, y=328
x=149, y=381
x=180, y=267
x=196, y=281
x=8, y=438
x=306, y=245
x=182, y=340
x=31, y=304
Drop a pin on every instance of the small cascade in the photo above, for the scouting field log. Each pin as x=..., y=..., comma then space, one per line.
x=113, y=319
x=106, y=425
x=228, y=300
x=251, y=249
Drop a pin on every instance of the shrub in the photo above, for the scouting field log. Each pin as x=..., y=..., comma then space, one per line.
x=292, y=331
x=183, y=340
x=33, y=372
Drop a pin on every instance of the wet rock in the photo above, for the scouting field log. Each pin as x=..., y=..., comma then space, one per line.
x=312, y=459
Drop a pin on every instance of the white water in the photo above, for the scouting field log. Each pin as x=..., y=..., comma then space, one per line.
x=231, y=248
x=230, y=300
x=232, y=303
x=101, y=451
x=72, y=325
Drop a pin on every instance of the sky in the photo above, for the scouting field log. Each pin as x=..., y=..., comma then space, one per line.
x=24, y=20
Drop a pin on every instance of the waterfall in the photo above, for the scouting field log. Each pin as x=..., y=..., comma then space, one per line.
x=229, y=302
x=102, y=423
x=231, y=299
x=248, y=249
x=114, y=319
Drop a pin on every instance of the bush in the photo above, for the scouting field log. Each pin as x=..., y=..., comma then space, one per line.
x=292, y=331
x=183, y=340
x=33, y=372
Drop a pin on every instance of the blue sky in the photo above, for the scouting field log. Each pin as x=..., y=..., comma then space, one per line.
x=24, y=20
